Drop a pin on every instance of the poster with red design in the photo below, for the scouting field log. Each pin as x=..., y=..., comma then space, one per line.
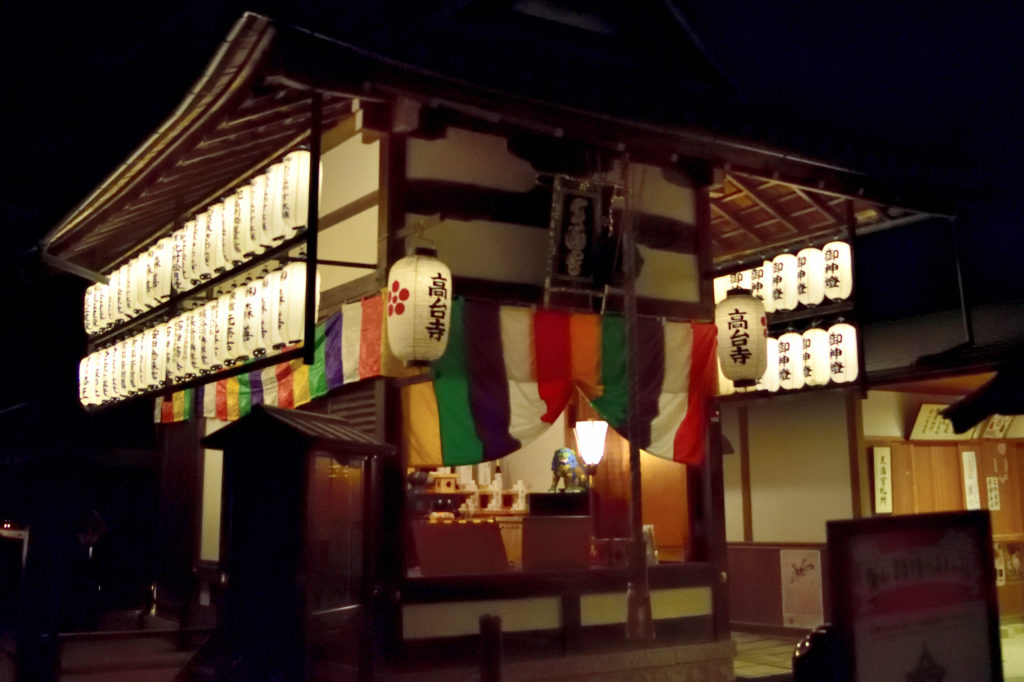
x=918, y=597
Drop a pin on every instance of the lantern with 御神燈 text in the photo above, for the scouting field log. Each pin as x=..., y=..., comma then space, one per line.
x=419, y=306
x=791, y=361
x=742, y=337
x=761, y=285
x=838, y=270
x=842, y=352
x=810, y=276
x=784, y=282
x=815, y=357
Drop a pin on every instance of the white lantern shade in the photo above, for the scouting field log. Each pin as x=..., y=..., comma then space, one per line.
x=246, y=224
x=273, y=222
x=106, y=371
x=215, y=239
x=770, y=379
x=725, y=385
x=233, y=254
x=85, y=381
x=784, y=284
x=201, y=243
x=257, y=213
x=197, y=341
x=419, y=307
x=124, y=368
x=179, y=364
x=761, y=285
x=211, y=348
x=740, y=280
x=590, y=435
x=815, y=357
x=294, y=196
x=163, y=268
x=270, y=310
x=791, y=361
x=742, y=336
x=140, y=363
x=121, y=279
x=179, y=274
x=252, y=333
x=844, y=361
x=720, y=286
x=225, y=352
x=89, y=305
x=810, y=276
x=292, y=299
x=234, y=344
x=190, y=254
x=838, y=270
x=155, y=355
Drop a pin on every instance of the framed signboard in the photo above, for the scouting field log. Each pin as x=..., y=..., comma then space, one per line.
x=579, y=217
x=914, y=597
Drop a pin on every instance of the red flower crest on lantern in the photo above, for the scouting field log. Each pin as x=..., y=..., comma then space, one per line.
x=396, y=297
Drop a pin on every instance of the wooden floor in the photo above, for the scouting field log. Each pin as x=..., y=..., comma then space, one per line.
x=760, y=657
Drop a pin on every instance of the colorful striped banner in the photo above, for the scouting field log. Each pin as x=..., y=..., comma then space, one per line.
x=350, y=346
x=486, y=401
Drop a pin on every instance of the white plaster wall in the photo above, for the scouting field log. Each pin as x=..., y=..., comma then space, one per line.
x=799, y=466
x=891, y=414
x=353, y=240
x=484, y=249
x=732, y=472
x=350, y=171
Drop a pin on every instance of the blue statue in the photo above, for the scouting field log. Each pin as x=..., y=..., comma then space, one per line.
x=566, y=468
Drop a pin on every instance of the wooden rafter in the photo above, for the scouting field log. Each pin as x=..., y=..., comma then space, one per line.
x=729, y=218
x=819, y=203
x=765, y=204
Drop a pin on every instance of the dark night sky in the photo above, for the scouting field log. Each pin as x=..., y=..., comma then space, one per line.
x=86, y=82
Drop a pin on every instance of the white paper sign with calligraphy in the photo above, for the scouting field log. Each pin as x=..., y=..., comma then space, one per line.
x=972, y=498
x=883, y=480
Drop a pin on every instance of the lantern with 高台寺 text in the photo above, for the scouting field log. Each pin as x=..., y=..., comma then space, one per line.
x=419, y=306
x=742, y=337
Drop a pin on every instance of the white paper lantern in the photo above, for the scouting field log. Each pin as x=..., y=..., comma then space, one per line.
x=85, y=381
x=215, y=260
x=742, y=337
x=761, y=285
x=720, y=286
x=89, y=305
x=121, y=279
x=252, y=333
x=225, y=346
x=294, y=196
x=419, y=307
x=257, y=220
x=140, y=364
x=245, y=241
x=842, y=350
x=179, y=362
x=815, y=357
x=271, y=321
x=163, y=268
x=770, y=379
x=191, y=254
x=95, y=322
x=232, y=245
x=784, y=284
x=740, y=280
x=197, y=342
x=791, y=361
x=106, y=370
x=153, y=339
x=292, y=301
x=838, y=270
x=233, y=343
x=201, y=244
x=210, y=350
x=124, y=369
x=810, y=276
x=725, y=385
x=273, y=223
x=179, y=272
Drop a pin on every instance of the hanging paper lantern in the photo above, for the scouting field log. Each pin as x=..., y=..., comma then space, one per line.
x=742, y=335
x=215, y=260
x=770, y=379
x=124, y=369
x=211, y=340
x=252, y=333
x=155, y=356
x=190, y=254
x=197, y=345
x=89, y=305
x=842, y=350
x=720, y=286
x=201, y=244
x=119, y=278
x=761, y=285
x=225, y=345
x=179, y=276
x=419, y=306
x=791, y=361
x=725, y=385
x=810, y=276
x=179, y=358
x=234, y=344
x=815, y=357
x=838, y=270
x=258, y=213
x=292, y=299
x=784, y=284
x=106, y=371
x=233, y=254
x=273, y=223
x=249, y=213
x=740, y=280
x=294, y=196
x=271, y=321
x=85, y=381
x=140, y=363
x=162, y=269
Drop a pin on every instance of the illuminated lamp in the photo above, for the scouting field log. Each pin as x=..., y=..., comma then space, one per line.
x=293, y=205
x=179, y=279
x=257, y=213
x=153, y=339
x=784, y=284
x=162, y=269
x=590, y=435
x=270, y=309
x=201, y=259
x=242, y=219
x=119, y=278
x=815, y=357
x=122, y=369
x=273, y=225
x=761, y=285
x=177, y=353
x=235, y=324
x=838, y=270
x=215, y=259
x=419, y=306
x=189, y=254
x=770, y=379
x=140, y=363
x=810, y=276
x=292, y=301
x=103, y=372
x=230, y=242
x=197, y=331
x=742, y=335
x=791, y=361
x=164, y=373
x=211, y=349
x=252, y=333
x=842, y=352
x=725, y=385
x=85, y=381
x=89, y=305
x=225, y=346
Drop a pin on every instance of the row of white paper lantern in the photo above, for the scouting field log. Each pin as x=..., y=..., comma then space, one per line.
x=788, y=280
x=253, y=320
x=254, y=217
x=816, y=357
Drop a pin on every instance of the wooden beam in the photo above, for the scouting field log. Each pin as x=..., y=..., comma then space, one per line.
x=763, y=203
x=818, y=203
